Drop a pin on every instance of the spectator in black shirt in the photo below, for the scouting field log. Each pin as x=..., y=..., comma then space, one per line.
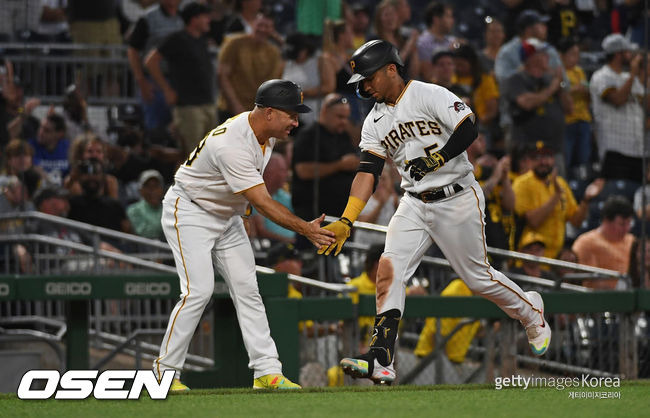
x=537, y=98
x=324, y=162
x=564, y=21
x=94, y=22
x=92, y=208
x=191, y=76
x=150, y=30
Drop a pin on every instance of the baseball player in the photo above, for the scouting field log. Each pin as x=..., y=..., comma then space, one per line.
x=424, y=129
x=202, y=221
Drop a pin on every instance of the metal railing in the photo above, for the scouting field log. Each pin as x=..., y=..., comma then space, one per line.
x=102, y=72
x=135, y=326
x=127, y=326
x=52, y=255
x=141, y=250
x=593, y=272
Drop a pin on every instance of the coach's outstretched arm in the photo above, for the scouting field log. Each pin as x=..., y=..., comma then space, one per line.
x=360, y=192
x=259, y=197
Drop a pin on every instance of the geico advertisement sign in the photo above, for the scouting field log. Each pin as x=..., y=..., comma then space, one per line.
x=147, y=289
x=68, y=288
x=80, y=384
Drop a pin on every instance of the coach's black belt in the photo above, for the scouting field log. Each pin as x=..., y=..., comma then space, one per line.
x=437, y=194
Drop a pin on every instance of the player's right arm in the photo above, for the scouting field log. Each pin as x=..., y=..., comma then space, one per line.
x=362, y=188
x=371, y=164
x=259, y=197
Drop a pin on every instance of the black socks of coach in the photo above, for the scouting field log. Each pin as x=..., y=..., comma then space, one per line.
x=382, y=343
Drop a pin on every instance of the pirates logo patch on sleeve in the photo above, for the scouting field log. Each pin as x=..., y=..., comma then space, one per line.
x=458, y=106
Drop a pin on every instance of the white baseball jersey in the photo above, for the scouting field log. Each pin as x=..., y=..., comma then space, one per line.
x=418, y=124
x=228, y=161
x=205, y=234
x=617, y=128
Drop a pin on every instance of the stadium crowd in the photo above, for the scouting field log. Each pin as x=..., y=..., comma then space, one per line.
x=561, y=139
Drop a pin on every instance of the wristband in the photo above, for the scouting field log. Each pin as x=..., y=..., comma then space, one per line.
x=353, y=209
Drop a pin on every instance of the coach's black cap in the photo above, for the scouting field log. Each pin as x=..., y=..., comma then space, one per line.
x=281, y=94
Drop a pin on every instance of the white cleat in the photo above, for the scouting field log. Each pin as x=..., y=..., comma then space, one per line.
x=358, y=368
x=383, y=375
x=539, y=335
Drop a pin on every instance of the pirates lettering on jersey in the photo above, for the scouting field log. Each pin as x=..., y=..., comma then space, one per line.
x=410, y=129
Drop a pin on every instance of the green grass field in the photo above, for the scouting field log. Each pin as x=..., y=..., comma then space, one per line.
x=396, y=402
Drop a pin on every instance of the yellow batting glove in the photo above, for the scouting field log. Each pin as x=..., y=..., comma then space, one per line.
x=341, y=229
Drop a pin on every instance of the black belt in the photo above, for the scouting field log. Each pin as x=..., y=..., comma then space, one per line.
x=437, y=194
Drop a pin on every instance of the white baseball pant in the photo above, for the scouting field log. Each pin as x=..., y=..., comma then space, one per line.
x=456, y=225
x=199, y=241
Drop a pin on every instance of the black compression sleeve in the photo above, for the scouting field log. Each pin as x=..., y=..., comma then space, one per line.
x=458, y=142
x=370, y=163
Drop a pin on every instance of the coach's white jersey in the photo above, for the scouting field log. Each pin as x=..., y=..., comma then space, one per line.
x=228, y=161
x=420, y=123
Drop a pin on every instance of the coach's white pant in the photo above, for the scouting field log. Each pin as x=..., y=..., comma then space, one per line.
x=199, y=239
x=456, y=224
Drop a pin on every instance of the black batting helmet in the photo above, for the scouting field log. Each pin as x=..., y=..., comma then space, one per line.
x=369, y=58
x=281, y=94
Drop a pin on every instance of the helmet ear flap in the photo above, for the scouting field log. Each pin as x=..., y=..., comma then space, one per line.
x=361, y=93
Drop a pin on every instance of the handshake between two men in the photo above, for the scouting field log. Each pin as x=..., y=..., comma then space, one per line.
x=416, y=168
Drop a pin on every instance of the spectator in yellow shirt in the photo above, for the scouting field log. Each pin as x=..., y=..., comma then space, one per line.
x=483, y=86
x=577, y=144
x=545, y=202
x=457, y=346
